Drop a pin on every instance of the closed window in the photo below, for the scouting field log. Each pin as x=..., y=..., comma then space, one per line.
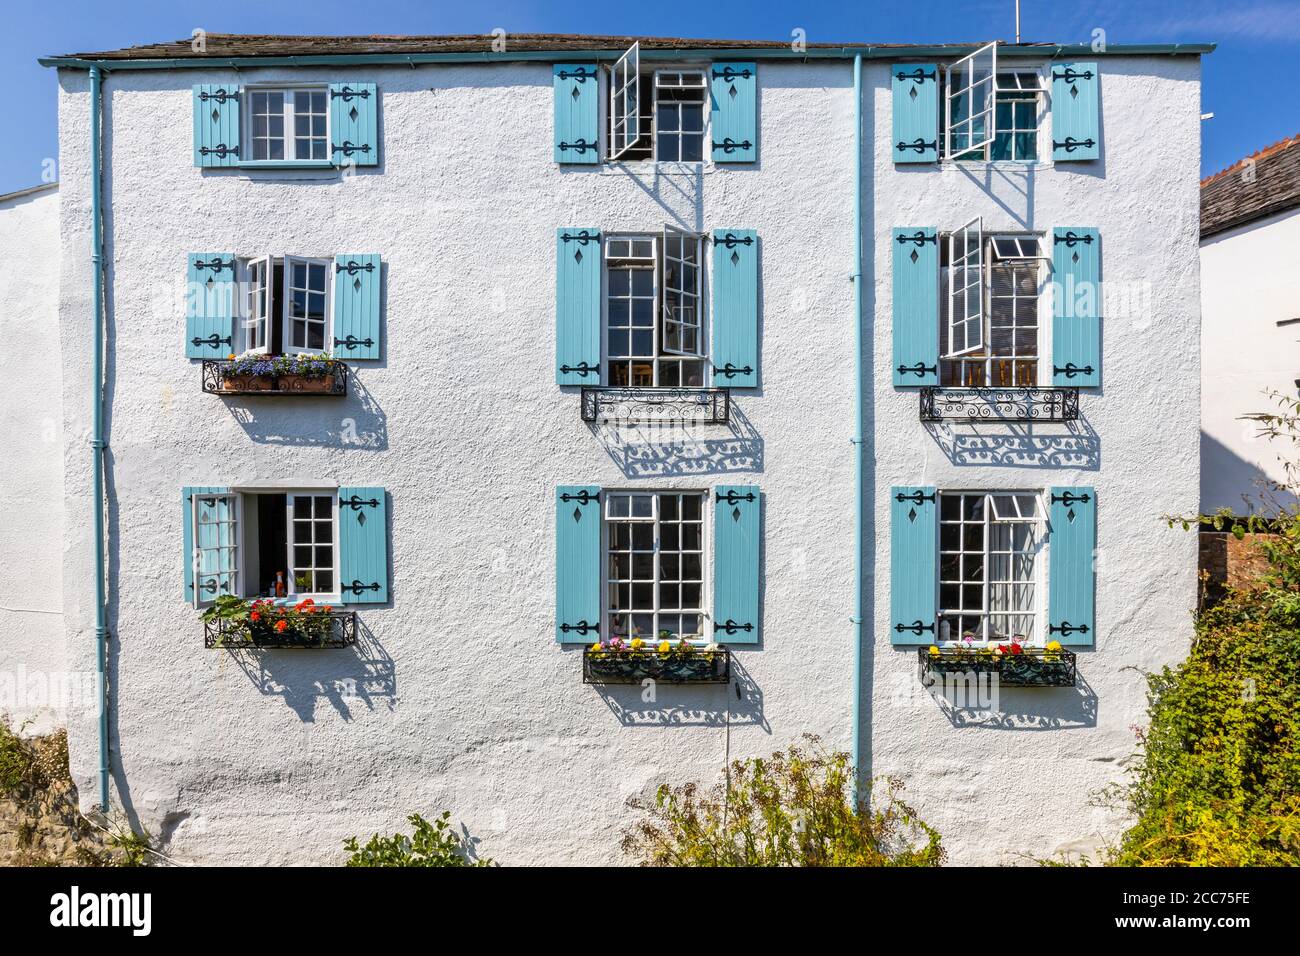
x=288, y=124
x=990, y=567
x=654, y=559
x=286, y=305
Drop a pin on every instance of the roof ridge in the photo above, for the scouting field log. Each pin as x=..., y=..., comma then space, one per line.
x=1270, y=150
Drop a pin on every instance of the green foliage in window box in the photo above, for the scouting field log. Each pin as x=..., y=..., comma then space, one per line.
x=265, y=622
x=798, y=807
x=431, y=844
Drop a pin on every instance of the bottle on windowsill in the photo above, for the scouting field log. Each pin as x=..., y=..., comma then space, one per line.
x=279, y=584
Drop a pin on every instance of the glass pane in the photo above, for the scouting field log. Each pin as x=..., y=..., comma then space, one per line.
x=301, y=507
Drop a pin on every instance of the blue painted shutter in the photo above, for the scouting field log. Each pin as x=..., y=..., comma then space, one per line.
x=363, y=546
x=577, y=564
x=737, y=523
x=1071, y=544
x=735, y=308
x=356, y=306
x=187, y=533
x=216, y=124
x=577, y=306
x=354, y=124
x=210, y=305
x=916, y=112
x=913, y=565
x=733, y=113
x=1076, y=129
x=577, y=110
x=916, y=306
x=1076, y=306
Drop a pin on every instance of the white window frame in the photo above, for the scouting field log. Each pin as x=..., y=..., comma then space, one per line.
x=680, y=134
x=327, y=322
x=291, y=585
x=706, y=555
x=982, y=93
x=257, y=314
x=235, y=536
x=690, y=301
x=289, y=115
x=1038, y=582
x=625, y=103
x=970, y=296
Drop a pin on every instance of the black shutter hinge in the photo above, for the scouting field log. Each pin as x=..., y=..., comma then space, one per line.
x=917, y=76
x=356, y=503
x=1071, y=144
x=347, y=93
x=221, y=96
x=920, y=239
x=580, y=74
x=916, y=627
x=212, y=341
x=728, y=74
x=581, y=237
x=356, y=587
x=1070, y=498
x=732, y=371
x=348, y=148
x=730, y=241
x=221, y=150
x=216, y=265
x=1065, y=629
x=731, y=627
x=582, y=627
x=729, y=145
x=731, y=497
x=582, y=368
x=920, y=370
x=918, y=144
x=915, y=497
x=352, y=268
x=583, y=497
x=210, y=586
x=580, y=145
x=352, y=343
x=1071, y=238
x=1070, y=370
x=1070, y=75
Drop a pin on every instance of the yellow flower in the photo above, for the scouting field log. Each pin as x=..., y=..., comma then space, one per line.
x=934, y=651
x=637, y=644
x=664, y=647
x=1053, y=645
x=231, y=355
x=596, y=646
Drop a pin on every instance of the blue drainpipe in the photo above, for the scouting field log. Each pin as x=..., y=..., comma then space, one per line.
x=859, y=544
x=97, y=443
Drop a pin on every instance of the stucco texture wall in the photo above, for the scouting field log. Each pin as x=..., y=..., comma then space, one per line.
x=35, y=687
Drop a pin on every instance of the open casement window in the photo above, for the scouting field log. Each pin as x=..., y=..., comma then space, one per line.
x=257, y=305
x=966, y=290
x=990, y=567
x=286, y=306
x=1010, y=280
x=215, y=560
x=625, y=103
x=654, y=330
x=306, y=304
x=971, y=85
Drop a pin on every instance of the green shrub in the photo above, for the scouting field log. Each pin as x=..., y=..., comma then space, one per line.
x=432, y=844
x=794, y=808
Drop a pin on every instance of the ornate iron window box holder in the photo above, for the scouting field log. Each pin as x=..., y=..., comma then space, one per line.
x=664, y=406
x=217, y=380
x=340, y=631
x=1032, y=667
x=632, y=667
x=1021, y=404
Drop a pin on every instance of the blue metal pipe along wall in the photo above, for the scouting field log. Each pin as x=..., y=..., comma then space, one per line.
x=859, y=544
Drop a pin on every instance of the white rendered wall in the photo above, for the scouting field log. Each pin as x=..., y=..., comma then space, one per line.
x=464, y=701
x=34, y=685
x=1249, y=283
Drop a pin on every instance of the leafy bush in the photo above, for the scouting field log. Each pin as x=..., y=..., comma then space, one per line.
x=794, y=808
x=432, y=844
x=37, y=762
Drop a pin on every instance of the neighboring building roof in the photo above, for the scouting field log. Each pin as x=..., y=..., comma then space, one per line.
x=29, y=191
x=220, y=46
x=1262, y=184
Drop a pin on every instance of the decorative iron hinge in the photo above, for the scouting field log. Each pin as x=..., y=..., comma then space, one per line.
x=1071, y=144
x=216, y=265
x=917, y=76
x=731, y=497
x=210, y=586
x=222, y=96
x=1070, y=498
x=1070, y=370
x=731, y=627
x=351, y=343
x=732, y=371
x=580, y=145
x=919, y=144
x=356, y=503
x=915, y=497
x=356, y=587
x=728, y=74
x=582, y=627
x=221, y=150
x=580, y=74
x=730, y=241
x=582, y=368
x=916, y=627
x=347, y=93
x=920, y=370
x=213, y=341
x=348, y=148
x=352, y=268
x=581, y=238
x=1070, y=75
x=1065, y=629
x=583, y=497
x=1071, y=238
x=729, y=145
x=920, y=239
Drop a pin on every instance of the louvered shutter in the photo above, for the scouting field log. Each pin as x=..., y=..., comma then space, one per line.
x=1071, y=546
x=577, y=564
x=1076, y=114
x=216, y=124
x=737, y=525
x=577, y=306
x=735, y=308
x=354, y=124
x=357, y=280
x=915, y=89
x=576, y=88
x=913, y=564
x=1076, y=306
x=363, y=546
x=733, y=114
x=210, y=305
x=916, y=305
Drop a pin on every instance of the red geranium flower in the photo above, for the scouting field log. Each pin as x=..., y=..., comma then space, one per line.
x=281, y=625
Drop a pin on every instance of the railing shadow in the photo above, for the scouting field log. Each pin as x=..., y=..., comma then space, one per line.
x=1007, y=445
x=354, y=422
x=664, y=450
x=737, y=704
x=1019, y=708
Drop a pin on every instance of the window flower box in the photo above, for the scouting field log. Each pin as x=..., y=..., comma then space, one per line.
x=618, y=662
x=276, y=375
x=1014, y=664
x=232, y=622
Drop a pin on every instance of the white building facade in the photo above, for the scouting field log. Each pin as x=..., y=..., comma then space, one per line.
x=597, y=311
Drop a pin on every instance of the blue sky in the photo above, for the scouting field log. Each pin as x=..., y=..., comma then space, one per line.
x=1245, y=80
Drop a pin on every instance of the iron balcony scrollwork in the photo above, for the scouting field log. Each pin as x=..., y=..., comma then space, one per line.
x=1029, y=667
x=334, y=628
x=695, y=666
x=1025, y=404
x=669, y=406
x=218, y=379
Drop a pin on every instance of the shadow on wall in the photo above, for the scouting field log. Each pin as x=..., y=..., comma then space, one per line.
x=1230, y=481
x=665, y=451
x=738, y=704
x=1018, y=708
x=355, y=422
x=363, y=675
x=1076, y=445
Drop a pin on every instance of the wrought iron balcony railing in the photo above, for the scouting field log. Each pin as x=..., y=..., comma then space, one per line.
x=334, y=628
x=1025, y=404
x=220, y=378
x=665, y=406
x=632, y=667
x=1032, y=667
